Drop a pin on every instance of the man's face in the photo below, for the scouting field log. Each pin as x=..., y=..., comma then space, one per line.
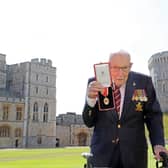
x=120, y=67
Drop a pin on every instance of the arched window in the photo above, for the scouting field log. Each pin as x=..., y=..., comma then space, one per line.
x=46, y=107
x=45, y=113
x=35, y=107
x=35, y=112
x=4, y=131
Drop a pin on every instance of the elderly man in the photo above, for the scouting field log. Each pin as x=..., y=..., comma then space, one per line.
x=119, y=133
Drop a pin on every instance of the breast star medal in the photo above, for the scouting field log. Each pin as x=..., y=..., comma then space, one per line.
x=138, y=107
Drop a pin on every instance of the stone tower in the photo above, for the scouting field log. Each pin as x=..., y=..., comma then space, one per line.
x=35, y=83
x=2, y=71
x=158, y=67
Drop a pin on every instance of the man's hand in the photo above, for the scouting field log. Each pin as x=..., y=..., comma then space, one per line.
x=93, y=89
x=158, y=149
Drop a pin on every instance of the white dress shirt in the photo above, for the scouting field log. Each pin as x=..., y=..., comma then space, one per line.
x=91, y=102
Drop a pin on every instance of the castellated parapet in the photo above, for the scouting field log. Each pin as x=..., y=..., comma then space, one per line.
x=42, y=61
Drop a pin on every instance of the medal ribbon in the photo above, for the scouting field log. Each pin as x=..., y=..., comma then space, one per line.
x=105, y=92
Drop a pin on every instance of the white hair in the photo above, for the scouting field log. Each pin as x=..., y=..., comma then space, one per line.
x=120, y=52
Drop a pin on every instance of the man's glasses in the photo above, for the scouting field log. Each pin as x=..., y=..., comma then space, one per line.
x=123, y=69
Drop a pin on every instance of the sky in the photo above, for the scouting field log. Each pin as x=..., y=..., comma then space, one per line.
x=76, y=34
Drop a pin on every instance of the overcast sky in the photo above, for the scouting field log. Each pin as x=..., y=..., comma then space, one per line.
x=75, y=34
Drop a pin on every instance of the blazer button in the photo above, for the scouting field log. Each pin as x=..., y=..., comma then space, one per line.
x=119, y=126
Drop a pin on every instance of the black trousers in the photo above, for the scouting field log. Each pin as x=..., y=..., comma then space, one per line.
x=116, y=161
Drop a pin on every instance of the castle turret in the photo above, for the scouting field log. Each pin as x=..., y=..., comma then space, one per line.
x=158, y=67
x=2, y=71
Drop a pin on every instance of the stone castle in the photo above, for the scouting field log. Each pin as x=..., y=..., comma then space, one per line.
x=27, y=104
x=28, y=108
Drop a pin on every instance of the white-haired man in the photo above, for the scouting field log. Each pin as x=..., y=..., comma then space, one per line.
x=119, y=137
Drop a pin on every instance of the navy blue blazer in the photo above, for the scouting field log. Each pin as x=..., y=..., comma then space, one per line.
x=129, y=129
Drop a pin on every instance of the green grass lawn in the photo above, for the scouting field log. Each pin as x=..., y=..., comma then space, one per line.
x=54, y=158
x=42, y=158
x=48, y=158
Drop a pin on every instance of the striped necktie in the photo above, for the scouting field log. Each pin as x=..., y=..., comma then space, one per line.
x=117, y=99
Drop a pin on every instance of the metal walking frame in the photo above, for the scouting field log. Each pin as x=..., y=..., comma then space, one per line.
x=87, y=156
x=164, y=162
x=159, y=164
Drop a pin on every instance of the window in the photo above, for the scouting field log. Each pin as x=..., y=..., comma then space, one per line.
x=164, y=88
x=37, y=77
x=47, y=79
x=46, y=107
x=18, y=132
x=35, y=112
x=18, y=113
x=161, y=60
x=36, y=90
x=39, y=140
x=164, y=59
x=4, y=131
x=45, y=114
x=5, y=112
x=35, y=107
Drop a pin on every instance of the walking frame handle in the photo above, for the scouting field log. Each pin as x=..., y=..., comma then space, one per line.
x=164, y=161
x=87, y=156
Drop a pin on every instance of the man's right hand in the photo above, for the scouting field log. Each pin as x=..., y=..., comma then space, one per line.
x=93, y=89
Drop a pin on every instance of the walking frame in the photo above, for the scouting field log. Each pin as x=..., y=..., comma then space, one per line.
x=163, y=163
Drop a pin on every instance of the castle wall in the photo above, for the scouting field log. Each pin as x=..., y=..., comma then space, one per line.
x=71, y=131
x=73, y=135
x=9, y=140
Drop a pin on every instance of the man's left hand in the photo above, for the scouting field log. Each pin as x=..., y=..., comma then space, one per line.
x=158, y=149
